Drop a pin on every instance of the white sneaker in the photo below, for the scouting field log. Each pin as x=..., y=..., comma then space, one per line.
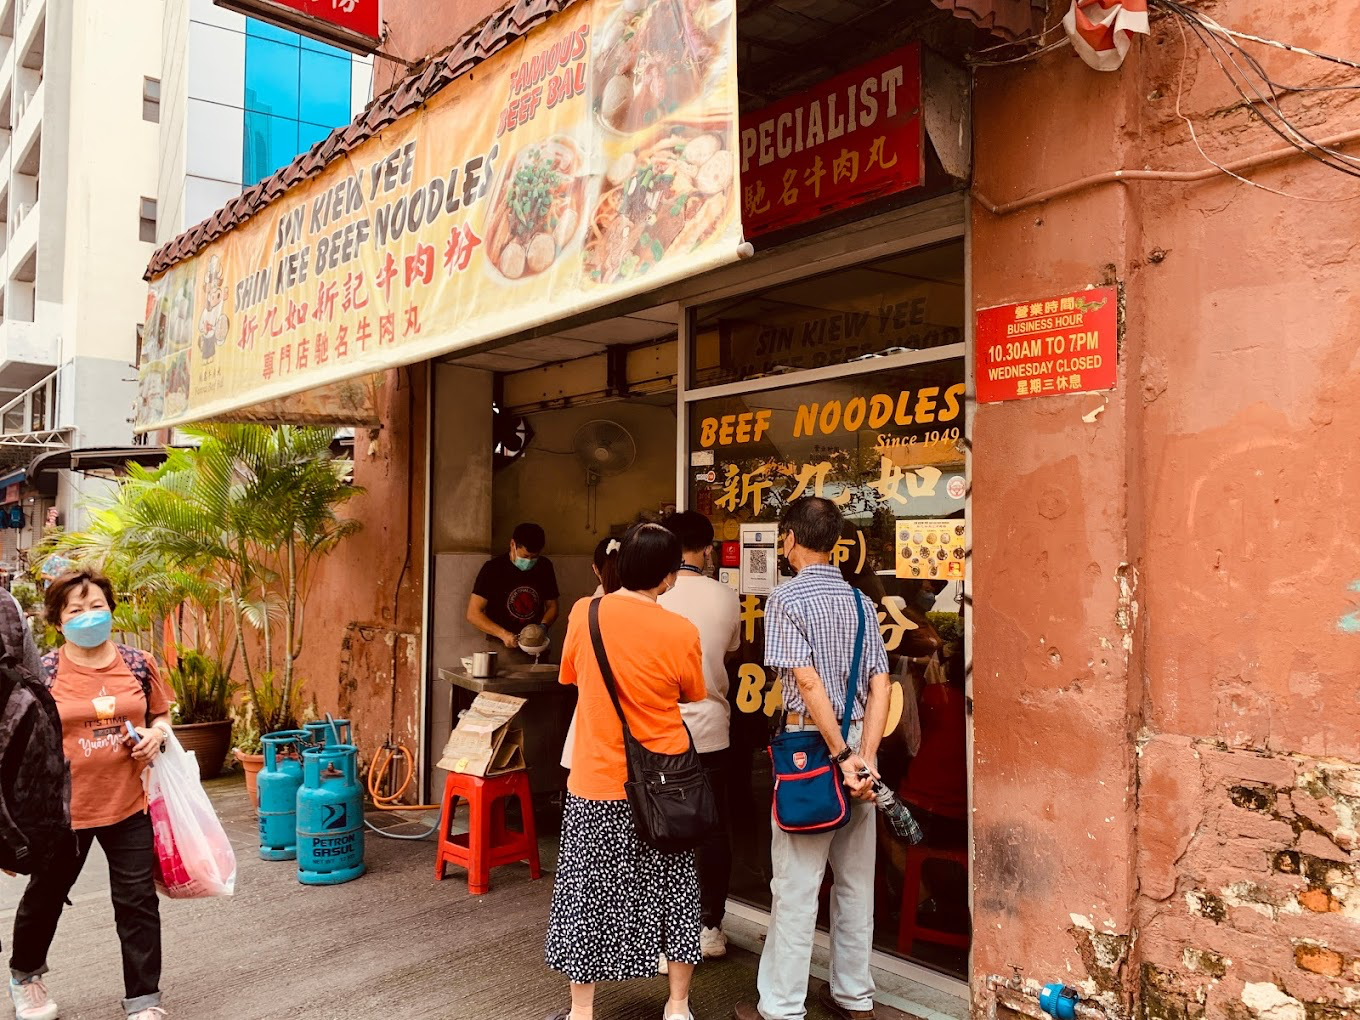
x=150, y=1013
x=31, y=1001
x=713, y=943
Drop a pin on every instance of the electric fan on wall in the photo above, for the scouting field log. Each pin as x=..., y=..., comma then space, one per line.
x=603, y=448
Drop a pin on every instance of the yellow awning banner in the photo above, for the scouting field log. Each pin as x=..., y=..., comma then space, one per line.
x=593, y=159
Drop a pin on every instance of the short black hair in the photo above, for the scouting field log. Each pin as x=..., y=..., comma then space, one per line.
x=529, y=537
x=694, y=530
x=650, y=552
x=815, y=523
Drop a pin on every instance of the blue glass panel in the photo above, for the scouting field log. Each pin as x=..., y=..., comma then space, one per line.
x=325, y=89
x=270, y=143
x=310, y=134
x=320, y=47
x=272, y=71
x=264, y=30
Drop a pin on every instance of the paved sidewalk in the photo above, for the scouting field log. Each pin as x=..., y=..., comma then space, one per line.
x=394, y=944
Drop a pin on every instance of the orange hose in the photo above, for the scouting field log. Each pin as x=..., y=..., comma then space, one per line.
x=378, y=773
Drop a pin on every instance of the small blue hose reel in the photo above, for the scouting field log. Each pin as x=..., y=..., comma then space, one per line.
x=1059, y=1001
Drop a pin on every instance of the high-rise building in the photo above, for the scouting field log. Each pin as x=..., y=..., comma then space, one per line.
x=121, y=124
x=239, y=100
x=78, y=156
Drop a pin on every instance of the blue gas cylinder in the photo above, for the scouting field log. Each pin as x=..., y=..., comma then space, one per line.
x=329, y=732
x=278, y=786
x=330, y=816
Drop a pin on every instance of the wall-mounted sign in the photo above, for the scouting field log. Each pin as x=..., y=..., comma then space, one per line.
x=354, y=25
x=850, y=139
x=1059, y=345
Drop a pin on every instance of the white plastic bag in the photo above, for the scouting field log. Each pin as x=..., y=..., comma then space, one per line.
x=194, y=858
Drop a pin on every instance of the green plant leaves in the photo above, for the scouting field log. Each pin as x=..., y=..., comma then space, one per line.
x=233, y=528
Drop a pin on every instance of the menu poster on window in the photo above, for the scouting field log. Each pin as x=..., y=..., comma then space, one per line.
x=759, y=559
x=930, y=549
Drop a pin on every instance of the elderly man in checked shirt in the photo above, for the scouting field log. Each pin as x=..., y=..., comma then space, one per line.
x=810, y=626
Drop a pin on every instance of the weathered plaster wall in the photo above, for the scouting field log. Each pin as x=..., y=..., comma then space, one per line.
x=1198, y=706
x=1054, y=593
x=420, y=28
x=367, y=597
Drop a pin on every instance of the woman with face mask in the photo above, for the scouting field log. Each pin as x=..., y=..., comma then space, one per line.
x=105, y=693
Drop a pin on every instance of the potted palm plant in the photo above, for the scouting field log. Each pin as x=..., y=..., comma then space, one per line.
x=203, y=694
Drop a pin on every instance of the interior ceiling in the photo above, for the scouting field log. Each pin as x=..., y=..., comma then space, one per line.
x=783, y=46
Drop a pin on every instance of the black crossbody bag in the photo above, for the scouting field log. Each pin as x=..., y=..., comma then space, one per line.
x=673, y=805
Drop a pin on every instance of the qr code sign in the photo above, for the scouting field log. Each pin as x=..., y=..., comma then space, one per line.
x=759, y=563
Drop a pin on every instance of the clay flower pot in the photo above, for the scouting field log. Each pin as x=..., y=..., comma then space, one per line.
x=251, y=765
x=209, y=741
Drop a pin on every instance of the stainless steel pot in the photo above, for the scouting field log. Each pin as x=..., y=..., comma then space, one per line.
x=484, y=664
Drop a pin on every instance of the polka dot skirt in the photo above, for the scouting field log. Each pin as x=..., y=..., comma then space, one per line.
x=618, y=903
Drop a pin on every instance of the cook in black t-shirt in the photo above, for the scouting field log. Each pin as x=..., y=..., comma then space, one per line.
x=516, y=590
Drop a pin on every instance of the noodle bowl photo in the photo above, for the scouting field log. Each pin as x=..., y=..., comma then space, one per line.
x=655, y=56
x=666, y=197
x=538, y=209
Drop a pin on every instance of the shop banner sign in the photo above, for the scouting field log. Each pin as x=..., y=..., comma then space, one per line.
x=851, y=139
x=593, y=159
x=1064, y=344
x=353, y=24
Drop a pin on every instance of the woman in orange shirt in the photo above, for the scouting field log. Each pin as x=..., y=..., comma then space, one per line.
x=101, y=689
x=618, y=903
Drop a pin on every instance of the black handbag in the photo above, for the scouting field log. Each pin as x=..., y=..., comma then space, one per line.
x=672, y=803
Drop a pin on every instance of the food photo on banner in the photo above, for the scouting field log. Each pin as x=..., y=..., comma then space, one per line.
x=547, y=183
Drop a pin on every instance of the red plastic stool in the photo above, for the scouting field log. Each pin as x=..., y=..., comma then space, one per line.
x=909, y=930
x=488, y=843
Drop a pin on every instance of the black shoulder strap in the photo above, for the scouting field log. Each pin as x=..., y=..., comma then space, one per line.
x=597, y=639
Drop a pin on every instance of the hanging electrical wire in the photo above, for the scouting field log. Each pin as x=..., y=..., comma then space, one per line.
x=1032, y=55
x=1259, y=93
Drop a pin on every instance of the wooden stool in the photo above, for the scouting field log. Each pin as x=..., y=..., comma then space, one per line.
x=488, y=843
x=909, y=931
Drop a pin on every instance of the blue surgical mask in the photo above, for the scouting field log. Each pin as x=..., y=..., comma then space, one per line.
x=90, y=629
x=925, y=601
x=524, y=563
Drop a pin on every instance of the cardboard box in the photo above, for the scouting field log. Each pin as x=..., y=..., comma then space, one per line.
x=484, y=743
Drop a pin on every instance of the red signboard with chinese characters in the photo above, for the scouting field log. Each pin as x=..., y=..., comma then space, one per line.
x=1065, y=344
x=352, y=24
x=852, y=138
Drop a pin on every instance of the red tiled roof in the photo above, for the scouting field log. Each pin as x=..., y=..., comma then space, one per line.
x=1010, y=19
x=412, y=92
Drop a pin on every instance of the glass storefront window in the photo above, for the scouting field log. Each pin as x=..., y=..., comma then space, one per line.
x=888, y=447
x=911, y=302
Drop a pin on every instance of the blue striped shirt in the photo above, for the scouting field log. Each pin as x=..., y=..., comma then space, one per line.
x=811, y=621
